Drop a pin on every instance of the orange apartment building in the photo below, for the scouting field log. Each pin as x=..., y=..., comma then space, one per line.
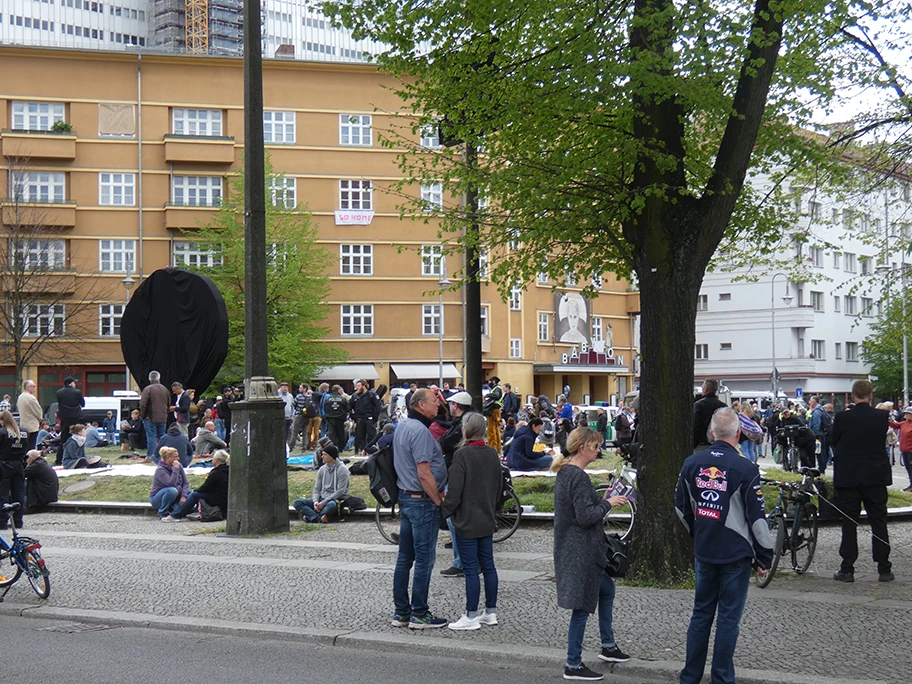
x=153, y=140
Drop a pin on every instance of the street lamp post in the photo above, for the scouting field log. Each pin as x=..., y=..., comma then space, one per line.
x=787, y=299
x=444, y=282
x=128, y=283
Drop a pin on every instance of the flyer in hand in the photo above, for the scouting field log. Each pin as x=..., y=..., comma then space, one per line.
x=622, y=488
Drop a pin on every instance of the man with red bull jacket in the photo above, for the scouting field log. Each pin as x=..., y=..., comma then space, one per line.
x=719, y=501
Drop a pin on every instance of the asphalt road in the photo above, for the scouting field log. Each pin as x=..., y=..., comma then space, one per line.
x=31, y=652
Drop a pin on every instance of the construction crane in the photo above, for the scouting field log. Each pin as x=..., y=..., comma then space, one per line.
x=197, y=26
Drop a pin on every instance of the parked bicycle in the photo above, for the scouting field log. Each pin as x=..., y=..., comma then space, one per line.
x=801, y=540
x=22, y=556
x=791, y=458
x=620, y=519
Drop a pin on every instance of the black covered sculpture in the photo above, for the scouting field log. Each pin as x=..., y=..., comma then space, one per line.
x=176, y=323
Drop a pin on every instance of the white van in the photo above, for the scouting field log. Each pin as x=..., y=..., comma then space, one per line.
x=122, y=404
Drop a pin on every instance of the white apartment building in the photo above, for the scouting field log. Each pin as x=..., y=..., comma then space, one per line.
x=811, y=331
x=103, y=25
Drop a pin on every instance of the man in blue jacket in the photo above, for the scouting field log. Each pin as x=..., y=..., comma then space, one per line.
x=719, y=501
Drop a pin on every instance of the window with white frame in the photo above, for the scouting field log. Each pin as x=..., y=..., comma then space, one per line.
x=196, y=121
x=282, y=192
x=815, y=209
x=515, y=298
x=837, y=350
x=851, y=351
x=430, y=319
x=37, y=186
x=430, y=136
x=357, y=320
x=815, y=256
x=867, y=306
x=702, y=302
x=817, y=300
x=116, y=189
x=514, y=243
x=109, y=316
x=279, y=128
x=570, y=279
x=597, y=329
x=355, y=194
x=355, y=129
x=37, y=116
x=515, y=348
x=356, y=260
x=431, y=257
x=818, y=349
x=701, y=351
x=837, y=302
x=195, y=254
x=482, y=263
x=116, y=256
x=196, y=191
x=837, y=260
x=484, y=322
x=850, y=262
x=432, y=197
x=37, y=255
x=865, y=264
x=43, y=320
x=851, y=305
x=597, y=282
x=542, y=278
x=544, y=327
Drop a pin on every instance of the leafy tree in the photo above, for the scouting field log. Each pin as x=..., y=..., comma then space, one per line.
x=617, y=136
x=297, y=286
x=882, y=349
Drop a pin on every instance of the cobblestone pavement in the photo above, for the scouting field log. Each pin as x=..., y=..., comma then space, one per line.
x=339, y=577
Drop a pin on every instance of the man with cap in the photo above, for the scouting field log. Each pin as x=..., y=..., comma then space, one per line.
x=69, y=410
x=460, y=404
x=331, y=486
x=494, y=399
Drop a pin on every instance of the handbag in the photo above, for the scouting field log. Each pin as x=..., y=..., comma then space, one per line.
x=617, y=561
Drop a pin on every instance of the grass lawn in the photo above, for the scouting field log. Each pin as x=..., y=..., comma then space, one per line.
x=895, y=497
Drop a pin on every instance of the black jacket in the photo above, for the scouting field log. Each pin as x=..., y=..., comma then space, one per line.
x=335, y=406
x=449, y=440
x=510, y=404
x=860, y=459
x=702, y=415
x=69, y=404
x=215, y=488
x=12, y=448
x=41, y=483
x=365, y=406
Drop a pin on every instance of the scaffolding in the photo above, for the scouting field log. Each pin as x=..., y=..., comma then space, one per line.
x=197, y=26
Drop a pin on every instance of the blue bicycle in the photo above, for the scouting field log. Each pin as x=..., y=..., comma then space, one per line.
x=22, y=556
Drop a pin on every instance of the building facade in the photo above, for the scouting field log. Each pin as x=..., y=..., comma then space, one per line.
x=154, y=138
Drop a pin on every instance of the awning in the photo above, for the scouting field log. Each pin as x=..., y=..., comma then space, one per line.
x=424, y=371
x=349, y=371
x=573, y=368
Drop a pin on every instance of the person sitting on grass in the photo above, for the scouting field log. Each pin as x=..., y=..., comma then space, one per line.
x=175, y=439
x=41, y=481
x=206, y=441
x=74, y=455
x=133, y=433
x=214, y=491
x=331, y=485
x=94, y=439
x=169, y=483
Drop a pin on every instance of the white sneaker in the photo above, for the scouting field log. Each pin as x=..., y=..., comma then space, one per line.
x=171, y=518
x=487, y=618
x=465, y=622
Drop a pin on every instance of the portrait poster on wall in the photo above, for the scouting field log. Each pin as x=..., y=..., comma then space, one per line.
x=571, y=318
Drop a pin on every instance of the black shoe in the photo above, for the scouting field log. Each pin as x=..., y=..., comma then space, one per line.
x=613, y=655
x=844, y=576
x=887, y=576
x=453, y=572
x=582, y=672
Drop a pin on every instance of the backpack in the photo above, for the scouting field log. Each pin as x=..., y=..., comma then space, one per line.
x=826, y=424
x=209, y=513
x=384, y=483
x=309, y=407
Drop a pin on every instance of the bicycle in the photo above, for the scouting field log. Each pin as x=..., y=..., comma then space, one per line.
x=792, y=460
x=801, y=541
x=22, y=556
x=620, y=519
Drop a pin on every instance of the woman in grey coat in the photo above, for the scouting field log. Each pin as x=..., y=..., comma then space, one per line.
x=580, y=552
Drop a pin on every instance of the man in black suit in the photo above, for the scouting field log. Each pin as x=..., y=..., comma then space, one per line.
x=181, y=408
x=69, y=410
x=861, y=474
x=703, y=410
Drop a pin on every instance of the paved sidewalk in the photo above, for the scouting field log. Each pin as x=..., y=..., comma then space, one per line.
x=334, y=584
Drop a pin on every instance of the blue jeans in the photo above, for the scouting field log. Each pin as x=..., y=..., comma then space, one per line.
x=475, y=553
x=193, y=499
x=457, y=561
x=220, y=428
x=165, y=500
x=540, y=463
x=749, y=450
x=419, y=523
x=306, y=507
x=578, y=624
x=722, y=587
x=153, y=432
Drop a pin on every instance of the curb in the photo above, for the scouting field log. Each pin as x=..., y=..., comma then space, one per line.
x=400, y=641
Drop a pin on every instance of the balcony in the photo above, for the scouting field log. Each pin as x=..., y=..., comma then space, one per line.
x=38, y=214
x=199, y=149
x=795, y=317
x=188, y=216
x=38, y=145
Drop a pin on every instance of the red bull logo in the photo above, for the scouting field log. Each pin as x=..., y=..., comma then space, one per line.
x=712, y=473
x=715, y=479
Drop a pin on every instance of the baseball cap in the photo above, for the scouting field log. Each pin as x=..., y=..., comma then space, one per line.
x=908, y=409
x=461, y=398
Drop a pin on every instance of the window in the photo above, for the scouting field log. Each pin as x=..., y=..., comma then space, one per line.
x=849, y=259
x=38, y=186
x=279, y=128
x=597, y=330
x=43, y=320
x=815, y=255
x=117, y=256
x=815, y=209
x=702, y=302
x=36, y=116
x=196, y=121
x=851, y=305
x=430, y=136
x=837, y=260
x=482, y=263
x=515, y=348
x=109, y=316
x=701, y=351
x=515, y=298
x=597, y=282
x=817, y=300
x=282, y=192
x=431, y=319
x=865, y=263
x=837, y=300
x=37, y=255
x=431, y=256
x=356, y=260
x=514, y=243
x=196, y=191
x=355, y=129
x=837, y=350
x=851, y=351
x=867, y=306
x=542, y=278
x=725, y=296
x=116, y=189
x=484, y=322
x=834, y=217
x=357, y=319
x=544, y=327
x=195, y=255
x=355, y=194
x=818, y=349
x=570, y=279
x=725, y=346
x=432, y=196
x=848, y=219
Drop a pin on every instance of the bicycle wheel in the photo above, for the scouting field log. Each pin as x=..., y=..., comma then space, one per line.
x=804, y=538
x=619, y=520
x=777, y=531
x=37, y=574
x=507, y=518
x=9, y=571
x=388, y=522
x=794, y=459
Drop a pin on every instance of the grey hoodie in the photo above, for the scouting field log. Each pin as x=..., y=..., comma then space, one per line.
x=207, y=441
